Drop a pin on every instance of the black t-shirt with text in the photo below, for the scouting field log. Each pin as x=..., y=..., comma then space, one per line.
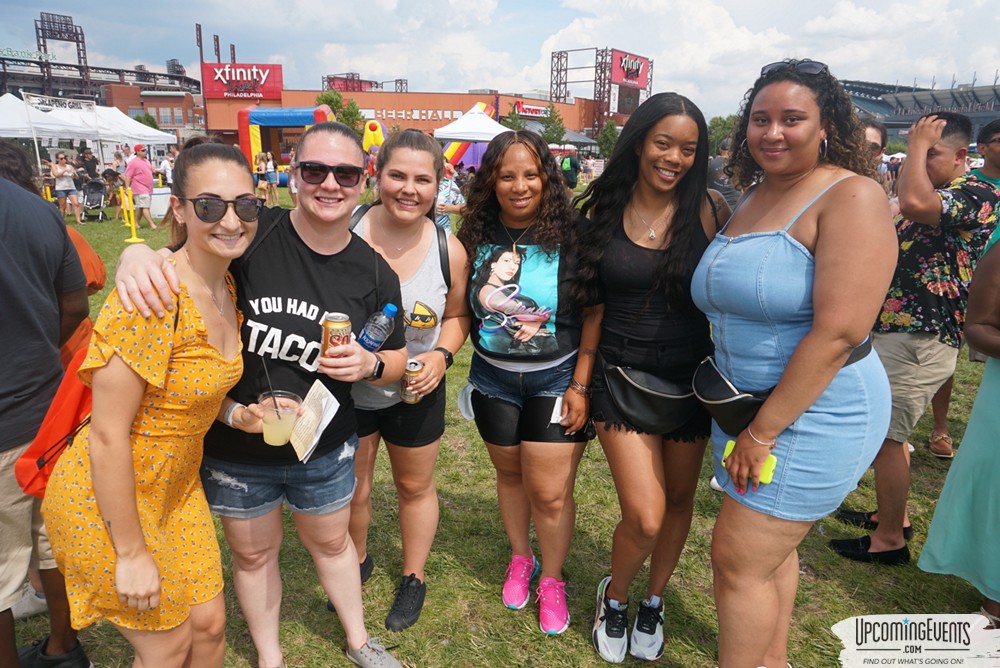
x=284, y=291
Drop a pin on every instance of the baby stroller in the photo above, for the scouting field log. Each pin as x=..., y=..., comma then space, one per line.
x=93, y=199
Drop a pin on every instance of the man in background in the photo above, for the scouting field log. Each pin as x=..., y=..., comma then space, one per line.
x=139, y=177
x=946, y=219
x=45, y=300
x=570, y=170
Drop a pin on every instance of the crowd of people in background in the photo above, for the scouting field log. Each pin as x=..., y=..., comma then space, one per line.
x=828, y=287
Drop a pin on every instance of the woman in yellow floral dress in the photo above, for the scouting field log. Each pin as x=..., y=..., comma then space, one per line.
x=126, y=512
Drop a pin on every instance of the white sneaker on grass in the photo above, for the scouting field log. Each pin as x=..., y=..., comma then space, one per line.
x=647, y=634
x=30, y=604
x=610, y=624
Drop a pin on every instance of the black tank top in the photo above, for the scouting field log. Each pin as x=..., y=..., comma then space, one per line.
x=632, y=309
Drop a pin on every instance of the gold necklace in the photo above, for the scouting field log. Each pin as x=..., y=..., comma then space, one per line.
x=204, y=284
x=514, y=242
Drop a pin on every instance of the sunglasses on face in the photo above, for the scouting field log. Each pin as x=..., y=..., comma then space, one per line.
x=212, y=209
x=315, y=173
x=876, y=147
x=804, y=66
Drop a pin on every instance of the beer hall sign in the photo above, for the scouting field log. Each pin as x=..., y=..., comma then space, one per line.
x=241, y=81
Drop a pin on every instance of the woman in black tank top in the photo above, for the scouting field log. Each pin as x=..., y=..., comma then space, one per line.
x=651, y=216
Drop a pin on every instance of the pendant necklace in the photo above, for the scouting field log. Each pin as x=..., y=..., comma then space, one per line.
x=514, y=242
x=652, y=232
x=203, y=283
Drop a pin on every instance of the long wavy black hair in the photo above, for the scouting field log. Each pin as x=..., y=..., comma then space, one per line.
x=606, y=198
x=845, y=135
x=556, y=222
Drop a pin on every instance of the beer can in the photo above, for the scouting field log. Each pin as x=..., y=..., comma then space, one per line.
x=413, y=369
x=336, y=330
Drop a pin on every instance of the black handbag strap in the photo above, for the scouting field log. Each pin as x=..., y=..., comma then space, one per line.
x=859, y=352
x=442, y=239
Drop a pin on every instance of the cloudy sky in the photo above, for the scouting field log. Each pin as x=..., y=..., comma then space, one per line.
x=709, y=50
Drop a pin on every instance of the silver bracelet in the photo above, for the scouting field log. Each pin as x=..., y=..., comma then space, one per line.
x=767, y=444
x=227, y=417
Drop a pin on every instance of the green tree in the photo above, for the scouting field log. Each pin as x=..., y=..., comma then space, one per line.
x=553, y=130
x=347, y=113
x=895, y=146
x=352, y=117
x=146, y=119
x=607, y=138
x=513, y=120
x=719, y=128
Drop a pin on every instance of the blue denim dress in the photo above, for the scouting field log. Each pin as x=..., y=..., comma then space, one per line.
x=756, y=290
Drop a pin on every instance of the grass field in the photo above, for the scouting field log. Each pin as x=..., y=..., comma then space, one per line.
x=464, y=622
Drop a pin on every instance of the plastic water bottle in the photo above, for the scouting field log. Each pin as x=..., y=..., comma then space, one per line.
x=378, y=328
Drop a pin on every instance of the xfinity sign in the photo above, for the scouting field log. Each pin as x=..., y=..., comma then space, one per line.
x=241, y=81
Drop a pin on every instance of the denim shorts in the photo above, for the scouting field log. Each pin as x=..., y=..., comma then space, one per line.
x=244, y=491
x=512, y=407
x=65, y=193
x=515, y=387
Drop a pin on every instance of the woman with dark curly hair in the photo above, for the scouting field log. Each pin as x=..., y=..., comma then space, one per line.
x=792, y=285
x=651, y=217
x=519, y=229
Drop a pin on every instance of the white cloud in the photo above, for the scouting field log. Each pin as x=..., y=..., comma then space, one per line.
x=710, y=50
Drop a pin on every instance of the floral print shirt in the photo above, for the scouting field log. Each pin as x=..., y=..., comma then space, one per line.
x=930, y=288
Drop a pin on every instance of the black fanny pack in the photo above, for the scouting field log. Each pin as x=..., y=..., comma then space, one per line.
x=732, y=409
x=654, y=405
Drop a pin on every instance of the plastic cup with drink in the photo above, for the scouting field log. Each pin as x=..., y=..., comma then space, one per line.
x=281, y=410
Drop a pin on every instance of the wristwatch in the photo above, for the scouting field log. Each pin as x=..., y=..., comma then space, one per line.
x=449, y=359
x=379, y=368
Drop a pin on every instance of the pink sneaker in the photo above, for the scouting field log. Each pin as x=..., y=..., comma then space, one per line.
x=516, y=588
x=553, y=617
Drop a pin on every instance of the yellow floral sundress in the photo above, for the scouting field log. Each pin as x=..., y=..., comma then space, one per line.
x=186, y=381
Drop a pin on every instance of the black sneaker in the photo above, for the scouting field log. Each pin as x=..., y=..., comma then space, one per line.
x=409, y=601
x=367, y=566
x=32, y=656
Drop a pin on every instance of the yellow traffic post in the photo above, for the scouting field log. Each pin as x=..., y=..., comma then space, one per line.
x=128, y=209
x=125, y=201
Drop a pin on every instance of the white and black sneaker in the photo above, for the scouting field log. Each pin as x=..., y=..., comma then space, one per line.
x=610, y=624
x=647, y=634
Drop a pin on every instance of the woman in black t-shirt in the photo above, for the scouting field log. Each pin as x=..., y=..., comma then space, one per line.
x=518, y=230
x=287, y=281
x=651, y=219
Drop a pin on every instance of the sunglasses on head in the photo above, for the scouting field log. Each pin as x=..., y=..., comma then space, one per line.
x=315, y=173
x=804, y=66
x=212, y=209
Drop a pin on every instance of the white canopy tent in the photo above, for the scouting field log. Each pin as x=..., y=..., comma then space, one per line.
x=18, y=120
x=103, y=125
x=474, y=126
x=111, y=125
x=107, y=124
